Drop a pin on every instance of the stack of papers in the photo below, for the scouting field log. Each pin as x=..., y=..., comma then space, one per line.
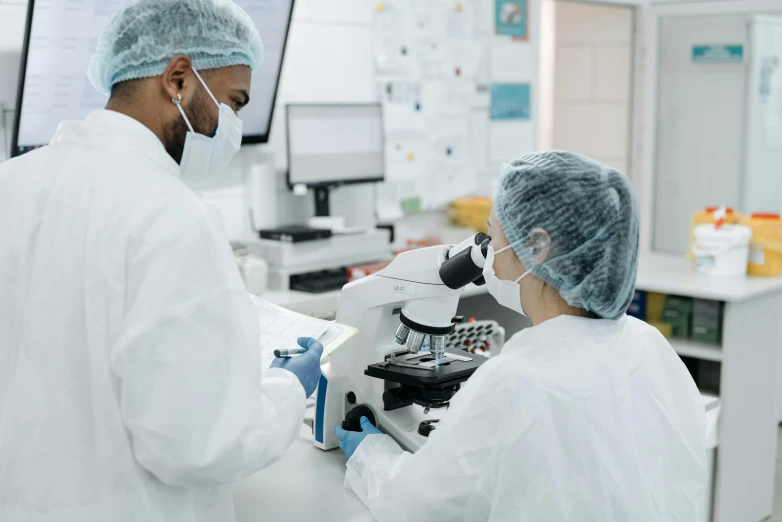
x=281, y=328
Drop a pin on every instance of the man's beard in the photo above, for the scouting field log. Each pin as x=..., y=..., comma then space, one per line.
x=201, y=119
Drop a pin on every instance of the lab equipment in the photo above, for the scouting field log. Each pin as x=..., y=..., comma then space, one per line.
x=608, y=401
x=305, y=367
x=203, y=156
x=320, y=265
x=334, y=145
x=294, y=234
x=765, y=248
x=349, y=440
x=141, y=40
x=575, y=223
x=383, y=367
x=484, y=337
x=318, y=282
x=722, y=251
x=289, y=353
x=706, y=217
x=678, y=314
x=142, y=333
x=707, y=320
x=63, y=34
x=254, y=270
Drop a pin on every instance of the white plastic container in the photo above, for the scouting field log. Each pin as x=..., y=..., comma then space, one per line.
x=722, y=251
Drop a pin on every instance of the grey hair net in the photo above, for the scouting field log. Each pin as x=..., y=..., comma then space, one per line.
x=575, y=223
x=143, y=38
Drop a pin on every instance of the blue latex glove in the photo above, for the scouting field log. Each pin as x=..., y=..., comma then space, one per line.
x=305, y=366
x=349, y=440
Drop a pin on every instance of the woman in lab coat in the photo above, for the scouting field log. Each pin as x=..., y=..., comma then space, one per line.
x=587, y=416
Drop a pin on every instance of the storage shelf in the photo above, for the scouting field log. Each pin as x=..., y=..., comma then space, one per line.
x=697, y=349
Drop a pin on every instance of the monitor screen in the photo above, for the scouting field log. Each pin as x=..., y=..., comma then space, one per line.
x=335, y=144
x=61, y=37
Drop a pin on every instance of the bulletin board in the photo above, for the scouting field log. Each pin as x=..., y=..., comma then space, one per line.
x=454, y=78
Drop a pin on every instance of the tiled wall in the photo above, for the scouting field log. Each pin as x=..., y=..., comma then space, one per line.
x=593, y=81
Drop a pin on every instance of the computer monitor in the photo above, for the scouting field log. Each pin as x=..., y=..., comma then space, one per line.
x=60, y=39
x=333, y=145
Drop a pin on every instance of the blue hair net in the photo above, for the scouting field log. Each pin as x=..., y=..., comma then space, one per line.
x=575, y=223
x=143, y=38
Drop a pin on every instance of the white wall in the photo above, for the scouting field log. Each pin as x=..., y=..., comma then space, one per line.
x=328, y=60
x=593, y=81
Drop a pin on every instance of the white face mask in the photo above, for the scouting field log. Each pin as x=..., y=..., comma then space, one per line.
x=203, y=156
x=505, y=292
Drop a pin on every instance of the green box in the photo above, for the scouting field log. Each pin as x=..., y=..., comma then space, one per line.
x=682, y=330
x=681, y=304
x=706, y=334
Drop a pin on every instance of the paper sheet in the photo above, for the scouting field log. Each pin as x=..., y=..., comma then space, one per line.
x=424, y=20
x=431, y=57
x=458, y=20
x=405, y=159
x=393, y=53
x=281, y=328
x=403, y=108
x=511, y=63
x=463, y=59
x=508, y=140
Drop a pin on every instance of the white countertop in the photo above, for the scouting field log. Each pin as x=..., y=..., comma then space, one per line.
x=306, y=484
x=661, y=273
x=675, y=275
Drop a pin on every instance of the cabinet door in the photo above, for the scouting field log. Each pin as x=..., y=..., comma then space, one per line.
x=700, y=118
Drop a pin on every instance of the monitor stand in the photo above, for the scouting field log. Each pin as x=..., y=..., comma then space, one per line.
x=323, y=217
x=322, y=207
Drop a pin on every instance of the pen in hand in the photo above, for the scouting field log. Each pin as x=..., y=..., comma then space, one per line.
x=286, y=354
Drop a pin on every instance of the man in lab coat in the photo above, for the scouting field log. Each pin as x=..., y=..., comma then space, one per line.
x=130, y=379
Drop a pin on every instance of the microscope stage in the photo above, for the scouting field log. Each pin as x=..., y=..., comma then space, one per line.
x=440, y=376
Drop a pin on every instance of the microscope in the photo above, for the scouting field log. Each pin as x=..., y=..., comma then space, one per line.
x=396, y=370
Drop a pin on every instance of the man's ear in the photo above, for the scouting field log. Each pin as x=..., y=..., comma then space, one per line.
x=178, y=78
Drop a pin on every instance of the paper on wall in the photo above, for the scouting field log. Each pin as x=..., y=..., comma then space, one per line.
x=449, y=163
x=406, y=159
x=424, y=20
x=458, y=18
x=390, y=195
x=463, y=59
x=393, y=53
x=511, y=63
x=483, y=19
x=478, y=136
x=431, y=57
x=403, y=112
x=449, y=97
x=510, y=139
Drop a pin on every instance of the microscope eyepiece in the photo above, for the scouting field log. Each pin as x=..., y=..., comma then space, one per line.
x=464, y=262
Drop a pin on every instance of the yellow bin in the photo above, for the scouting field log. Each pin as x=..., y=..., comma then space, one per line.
x=706, y=217
x=471, y=212
x=765, y=249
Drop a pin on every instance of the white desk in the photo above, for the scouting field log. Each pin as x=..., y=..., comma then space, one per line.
x=306, y=484
x=749, y=353
x=749, y=357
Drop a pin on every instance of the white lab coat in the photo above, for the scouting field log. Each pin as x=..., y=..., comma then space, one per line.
x=578, y=420
x=130, y=380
